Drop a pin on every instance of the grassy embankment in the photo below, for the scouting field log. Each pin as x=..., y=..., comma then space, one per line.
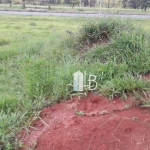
x=38, y=58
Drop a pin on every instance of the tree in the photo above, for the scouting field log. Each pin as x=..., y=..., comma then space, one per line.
x=92, y=3
x=72, y=3
x=124, y=3
x=137, y=3
x=144, y=4
x=85, y=2
x=108, y=3
x=49, y=5
x=134, y=3
x=10, y=2
x=23, y=4
x=58, y=1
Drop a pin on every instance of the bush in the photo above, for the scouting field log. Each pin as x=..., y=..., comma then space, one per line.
x=102, y=30
x=121, y=55
x=122, y=43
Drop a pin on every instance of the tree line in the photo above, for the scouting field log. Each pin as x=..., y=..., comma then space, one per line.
x=135, y=4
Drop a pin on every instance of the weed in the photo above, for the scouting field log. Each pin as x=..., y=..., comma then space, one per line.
x=4, y=42
x=8, y=103
x=100, y=31
x=124, y=86
x=33, y=24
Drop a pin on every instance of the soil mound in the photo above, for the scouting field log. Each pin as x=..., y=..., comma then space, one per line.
x=91, y=123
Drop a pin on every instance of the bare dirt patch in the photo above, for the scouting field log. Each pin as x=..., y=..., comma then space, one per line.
x=146, y=77
x=91, y=123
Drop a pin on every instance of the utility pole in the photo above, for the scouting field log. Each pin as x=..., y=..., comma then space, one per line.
x=100, y=7
x=80, y=4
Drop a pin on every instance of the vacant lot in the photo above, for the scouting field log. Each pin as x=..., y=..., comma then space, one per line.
x=38, y=56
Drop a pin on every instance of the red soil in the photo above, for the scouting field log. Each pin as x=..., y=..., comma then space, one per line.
x=147, y=77
x=91, y=123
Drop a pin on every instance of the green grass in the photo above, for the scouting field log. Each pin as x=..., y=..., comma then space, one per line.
x=38, y=59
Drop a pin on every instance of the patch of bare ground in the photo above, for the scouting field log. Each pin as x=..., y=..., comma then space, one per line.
x=146, y=77
x=90, y=123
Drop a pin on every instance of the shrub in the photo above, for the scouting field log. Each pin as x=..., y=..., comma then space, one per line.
x=102, y=30
x=123, y=56
x=127, y=44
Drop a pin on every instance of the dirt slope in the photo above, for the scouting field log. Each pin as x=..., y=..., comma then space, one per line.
x=91, y=123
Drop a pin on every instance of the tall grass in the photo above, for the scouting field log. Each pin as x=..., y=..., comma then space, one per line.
x=120, y=54
x=37, y=66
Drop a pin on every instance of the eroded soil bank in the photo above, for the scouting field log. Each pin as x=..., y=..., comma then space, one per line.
x=91, y=123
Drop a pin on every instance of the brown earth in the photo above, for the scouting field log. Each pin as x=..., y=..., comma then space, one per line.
x=90, y=123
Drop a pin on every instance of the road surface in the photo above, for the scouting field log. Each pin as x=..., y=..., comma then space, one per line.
x=73, y=14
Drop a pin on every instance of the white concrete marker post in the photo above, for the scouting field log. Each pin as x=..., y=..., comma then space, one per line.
x=78, y=81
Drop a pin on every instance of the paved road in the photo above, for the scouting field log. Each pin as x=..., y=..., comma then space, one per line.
x=72, y=14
